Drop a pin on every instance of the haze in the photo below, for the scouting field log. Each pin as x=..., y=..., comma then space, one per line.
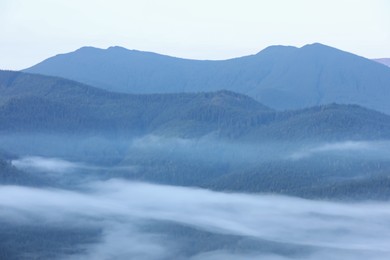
x=194, y=129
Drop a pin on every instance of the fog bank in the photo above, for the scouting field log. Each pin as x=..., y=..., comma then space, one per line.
x=331, y=230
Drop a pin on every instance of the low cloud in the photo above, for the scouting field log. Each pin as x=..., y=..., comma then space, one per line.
x=332, y=230
x=209, y=148
x=57, y=165
x=379, y=149
x=36, y=163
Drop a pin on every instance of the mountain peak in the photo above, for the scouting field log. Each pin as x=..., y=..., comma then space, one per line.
x=118, y=48
x=277, y=49
x=319, y=47
x=316, y=45
x=87, y=48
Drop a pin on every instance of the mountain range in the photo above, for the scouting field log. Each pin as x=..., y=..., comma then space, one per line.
x=195, y=133
x=34, y=103
x=281, y=77
x=248, y=147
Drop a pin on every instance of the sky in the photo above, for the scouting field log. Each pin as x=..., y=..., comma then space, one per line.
x=31, y=31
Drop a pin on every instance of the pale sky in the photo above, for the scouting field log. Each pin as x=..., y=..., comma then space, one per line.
x=32, y=30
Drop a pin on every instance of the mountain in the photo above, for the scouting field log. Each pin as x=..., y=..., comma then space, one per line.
x=40, y=103
x=218, y=140
x=281, y=77
x=385, y=61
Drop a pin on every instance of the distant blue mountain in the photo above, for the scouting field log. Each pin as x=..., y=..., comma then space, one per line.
x=384, y=61
x=281, y=77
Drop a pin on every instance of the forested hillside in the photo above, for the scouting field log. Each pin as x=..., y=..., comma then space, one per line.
x=40, y=103
x=219, y=140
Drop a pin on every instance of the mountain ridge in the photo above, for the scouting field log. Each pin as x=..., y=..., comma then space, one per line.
x=32, y=102
x=281, y=77
x=218, y=140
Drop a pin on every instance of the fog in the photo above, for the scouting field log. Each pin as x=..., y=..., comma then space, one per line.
x=210, y=147
x=37, y=163
x=88, y=203
x=108, y=150
x=326, y=230
x=373, y=149
x=58, y=165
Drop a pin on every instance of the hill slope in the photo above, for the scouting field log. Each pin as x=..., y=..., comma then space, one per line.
x=308, y=153
x=34, y=103
x=280, y=77
x=39, y=103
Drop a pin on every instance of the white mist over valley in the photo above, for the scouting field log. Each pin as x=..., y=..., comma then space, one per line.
x=200, y=130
